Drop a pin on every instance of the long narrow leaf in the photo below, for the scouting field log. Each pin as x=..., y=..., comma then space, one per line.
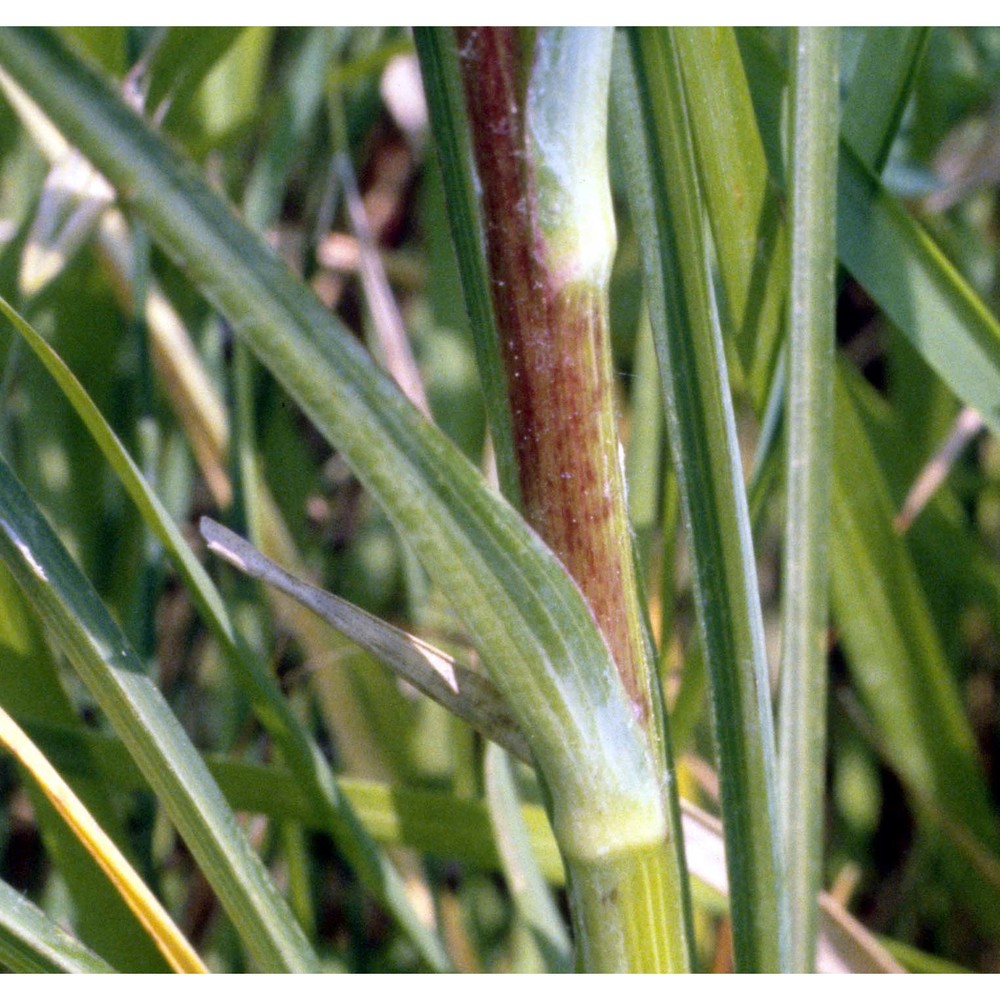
x=30, y=687
x=880, y=89
x=458, y=688
x=31, y=942
x=448, y=827
x=891, y=664
x=668, y=210
x=100, y=653
x=898, y=661
x=923, y=294
x=524, y=879
x=265, y=695
x=744, y=209
x=157, y=922
x=892, y=256
x=811, y=309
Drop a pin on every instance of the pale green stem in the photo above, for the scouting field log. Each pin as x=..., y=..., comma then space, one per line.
x=813, y=171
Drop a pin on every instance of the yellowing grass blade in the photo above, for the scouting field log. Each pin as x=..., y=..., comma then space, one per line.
x=171, y=942
x=72, y=200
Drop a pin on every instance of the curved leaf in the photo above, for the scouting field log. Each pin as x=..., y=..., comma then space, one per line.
x=98, y=650
x=262, y=689
x=147, y=908
x=532, y=627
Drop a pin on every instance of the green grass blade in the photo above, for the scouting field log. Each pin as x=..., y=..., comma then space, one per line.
x=449, y=123
x=31, y=942
x=892, y=256
x=208, y=431
x=896, y=657
x=744, y=209
x=532, y=627
x=262, y=689
x=433, y=822
x=880, y=89
x=895, y=652
x=269, y=703
x=98, y=650
x=181, y=61
x=904, y=271
x=298, y=104
x=668, y=211
x=170, y=940
x=802, y=735
x=524, y=879
x=892, y=627
x=915, y=960
x=644, y=456
x=30, y=687
x=444, y=826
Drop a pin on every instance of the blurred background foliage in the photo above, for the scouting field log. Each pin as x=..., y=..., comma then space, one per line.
x=286, y=122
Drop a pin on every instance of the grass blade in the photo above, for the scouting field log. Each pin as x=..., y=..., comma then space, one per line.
x=880, y=89
x=804, y=612
x=893, y=644
x=181, y=62
x=448, y=827
x=524, y=878
x=201, y=414
x=30, y=687
x=458, y=688
x=298, y=104
x=171, y=942
x=744, y=209
x=884, y=655
x=98, y=650
x=31, y=942
x=904, y=271
x=449, y=123
x=890, y=254
x=668, y=211
x=645, y=454
x=263, y=691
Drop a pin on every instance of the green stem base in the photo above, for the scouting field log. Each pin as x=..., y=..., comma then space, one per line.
x=621, y=906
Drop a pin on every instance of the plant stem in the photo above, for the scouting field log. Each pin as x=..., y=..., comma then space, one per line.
x=537, y=113
x=529, y=621
x=623, y=912
x=550, y=241
x=443, y=85
x=813, y=171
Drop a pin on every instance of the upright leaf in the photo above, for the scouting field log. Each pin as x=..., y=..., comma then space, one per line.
x=667, y=206
x=811, y=335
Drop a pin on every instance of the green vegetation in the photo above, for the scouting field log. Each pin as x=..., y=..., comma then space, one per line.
x=499, y=499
